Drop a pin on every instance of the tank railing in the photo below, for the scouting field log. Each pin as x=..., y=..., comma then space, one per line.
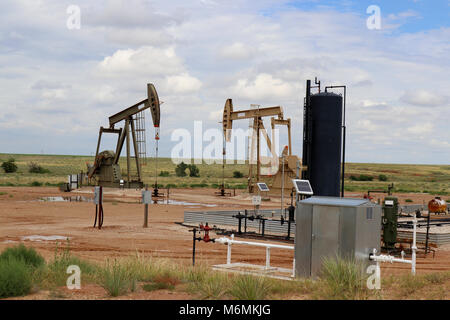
x=391, y=259
x=268, y=246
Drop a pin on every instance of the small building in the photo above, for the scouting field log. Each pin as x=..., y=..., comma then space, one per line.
x=330, y=227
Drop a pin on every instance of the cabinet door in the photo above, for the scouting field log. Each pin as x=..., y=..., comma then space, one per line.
x=325, y=235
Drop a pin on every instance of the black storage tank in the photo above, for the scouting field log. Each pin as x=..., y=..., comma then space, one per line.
x=326, y=139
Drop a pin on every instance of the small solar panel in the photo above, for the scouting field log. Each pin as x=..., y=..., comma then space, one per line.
x=262, y=186
x=302, y=186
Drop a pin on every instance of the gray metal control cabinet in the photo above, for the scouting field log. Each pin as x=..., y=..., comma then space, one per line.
x=330, y=227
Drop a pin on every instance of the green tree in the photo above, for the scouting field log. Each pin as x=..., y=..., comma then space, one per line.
x=180, y=170
x=237, y=174
x=193, y=171
x=9, y=166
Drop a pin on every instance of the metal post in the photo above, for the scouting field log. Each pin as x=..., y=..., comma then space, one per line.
x=127, y=130
x=240, y=223
x=428, y=232
x=245, y=222
x=267, y=257
x=229, y=251
x=414, y=247
x=194, y=233
x=146, y=211
x=282, y=183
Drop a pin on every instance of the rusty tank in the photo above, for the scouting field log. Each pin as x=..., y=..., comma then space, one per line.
x=437, y=205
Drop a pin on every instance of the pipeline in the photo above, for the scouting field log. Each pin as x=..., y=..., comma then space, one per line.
x=392, y=259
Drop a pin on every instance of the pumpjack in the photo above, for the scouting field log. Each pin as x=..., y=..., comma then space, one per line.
x=283, y=168
x=105, y=171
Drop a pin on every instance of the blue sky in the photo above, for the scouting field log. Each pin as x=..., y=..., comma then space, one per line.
x=429, y=14
x=58, y=86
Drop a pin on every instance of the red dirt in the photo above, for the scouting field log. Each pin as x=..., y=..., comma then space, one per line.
x=22, y=214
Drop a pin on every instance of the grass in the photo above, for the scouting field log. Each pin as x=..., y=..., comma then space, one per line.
x=342, y=279
x=210, y=285
x=433, y=179
x=248, y=287
x=54, y=273
x=15, y=277
x=28, y=255
x=339, y=279
x=157, y=286
x=117, y=279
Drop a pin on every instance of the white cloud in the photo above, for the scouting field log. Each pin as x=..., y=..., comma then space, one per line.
x=421, y=128
x=183, y=83
x=237, y=51
x=144, y=60
x=264, y=86
x=424, y=98
x=198, y=54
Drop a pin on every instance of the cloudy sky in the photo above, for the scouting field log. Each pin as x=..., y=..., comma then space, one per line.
x=58, y=85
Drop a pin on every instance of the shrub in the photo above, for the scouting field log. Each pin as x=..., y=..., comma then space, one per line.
x=408, y=200
x=211, y=286
x=410, y=284
x=382, y=177
x=437, y=277
x=193, y=171
x=33, y=167
x=180, y=169
x=342, y=279
x=237, y=174
x=198, y=185
x=362, y=177
x=55, y=274
x=157, y=286
x=117, y=280
x=9, y=166
x=15, y=278
x=164, y=174
x=247, y=287
x=28, y=255
x=36, y=184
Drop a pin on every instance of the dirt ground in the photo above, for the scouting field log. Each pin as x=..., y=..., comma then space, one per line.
x=24, y=214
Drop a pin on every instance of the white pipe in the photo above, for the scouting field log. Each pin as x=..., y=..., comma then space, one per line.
x=391, y=259
x=414, y=247
x=267, y=257
x=225, y=240
x=388, y=258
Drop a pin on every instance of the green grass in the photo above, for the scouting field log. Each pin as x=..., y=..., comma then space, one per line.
x=433, y=179
x=210, y=285
x=342, y=279
x=15, y=277
x=22, y=271
x=153, y=286
x=54, y=273
x=117, y=279
x=248, y=287
x=28, y=255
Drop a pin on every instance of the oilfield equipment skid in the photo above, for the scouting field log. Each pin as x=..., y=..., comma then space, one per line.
x=106, y=170
x=288, y=166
